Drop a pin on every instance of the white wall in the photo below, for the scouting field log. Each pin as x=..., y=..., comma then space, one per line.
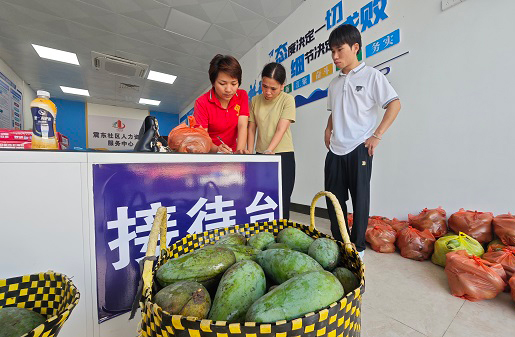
x=115, y=111
x=452, y=144
x=28, y=93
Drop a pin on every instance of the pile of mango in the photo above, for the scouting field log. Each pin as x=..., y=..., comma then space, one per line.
x=263, y=279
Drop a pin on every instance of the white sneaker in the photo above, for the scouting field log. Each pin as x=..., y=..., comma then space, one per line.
x=361, y=254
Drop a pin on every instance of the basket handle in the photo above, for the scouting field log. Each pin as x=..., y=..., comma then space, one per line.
x=339, y=215
x=159, y=228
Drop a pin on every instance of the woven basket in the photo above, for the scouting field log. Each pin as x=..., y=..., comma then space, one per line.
x=50, y=294
x=342, y=318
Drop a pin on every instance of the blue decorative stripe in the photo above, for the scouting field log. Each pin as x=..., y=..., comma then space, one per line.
x=315, y=96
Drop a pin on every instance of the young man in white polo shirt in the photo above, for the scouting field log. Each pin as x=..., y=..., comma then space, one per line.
x=351, y=135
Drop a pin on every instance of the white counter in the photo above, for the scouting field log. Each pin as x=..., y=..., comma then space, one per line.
x=47, y=222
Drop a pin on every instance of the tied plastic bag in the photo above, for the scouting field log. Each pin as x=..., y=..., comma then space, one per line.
x=472, y=278
x=415, y=244
x=381, y=238
x=504, y=228
x=350, y=221
x=512, y=286
x=473, y=223
x=189, y=139
x=495, y=246
x=452, y=243
x=505, y=257
x=433, y=220
x=378, y=220
x=399, y=225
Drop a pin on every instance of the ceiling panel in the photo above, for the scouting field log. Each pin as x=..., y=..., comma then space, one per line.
x=178, y=37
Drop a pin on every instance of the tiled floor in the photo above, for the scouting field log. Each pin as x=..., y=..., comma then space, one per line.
x=410, y=298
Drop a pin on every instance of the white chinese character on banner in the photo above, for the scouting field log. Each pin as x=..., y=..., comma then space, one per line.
x=122, y=224
x=148, y=216
x=388, y=40
x=225, y=217
x=376, y=46
x=254, y=207
x=196, y=226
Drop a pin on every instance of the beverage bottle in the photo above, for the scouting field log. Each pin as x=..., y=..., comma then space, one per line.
x=44, y=112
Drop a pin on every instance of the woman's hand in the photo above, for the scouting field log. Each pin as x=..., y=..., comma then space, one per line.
x=268, y=152
x=245, y=151
x=223, y=148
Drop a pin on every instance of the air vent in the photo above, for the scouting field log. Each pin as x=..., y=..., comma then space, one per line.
x=129, y=86
x=118, y=65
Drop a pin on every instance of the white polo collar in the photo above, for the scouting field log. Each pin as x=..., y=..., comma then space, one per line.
x=355, y=70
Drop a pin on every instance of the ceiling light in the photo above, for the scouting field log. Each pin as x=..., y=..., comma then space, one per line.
x=75, y=91
x=161, y=77
x=149, y=101
x=56, y=54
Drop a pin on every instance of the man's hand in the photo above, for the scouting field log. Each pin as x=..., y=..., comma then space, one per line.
x=327, y=138
x=371, y=145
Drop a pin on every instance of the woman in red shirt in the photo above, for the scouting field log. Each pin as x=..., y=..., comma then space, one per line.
x=224, y=110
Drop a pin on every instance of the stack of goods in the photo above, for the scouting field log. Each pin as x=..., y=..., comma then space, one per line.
x=381, y=237
x=399, y=225
x=415, y=244
x=451, y=243
x=477, y=225
x=189, y=139
x=22, y=139
x=473, y=274
x=504, y=228
x=472, y=278
x=433, y=220
x=264, y=280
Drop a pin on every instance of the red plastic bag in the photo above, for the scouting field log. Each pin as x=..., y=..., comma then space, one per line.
x=399, y=225
x=495, y=246
x=505, y=257
x=472, y=278
x=477, y=225
x=504, y=228
x=432, y=219
x=381, y=237
x=350, y=221
x=511, y=283
x=189, y=139
x=415, y=244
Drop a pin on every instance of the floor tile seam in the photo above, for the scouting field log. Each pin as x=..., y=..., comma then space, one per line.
x=395, y=319
x=454, y=318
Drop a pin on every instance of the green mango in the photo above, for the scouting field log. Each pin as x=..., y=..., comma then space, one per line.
x=16, y=322
x=295, y=239
x=261, y=240
x=326, y=252
x=240, y=286
x=204, y=265
x=186, y=298
x=296, y=297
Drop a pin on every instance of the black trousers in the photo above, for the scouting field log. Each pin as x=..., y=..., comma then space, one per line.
x=288, y=180
x=351, y=172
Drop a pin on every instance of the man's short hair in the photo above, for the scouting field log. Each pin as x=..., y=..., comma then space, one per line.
x=345, y=34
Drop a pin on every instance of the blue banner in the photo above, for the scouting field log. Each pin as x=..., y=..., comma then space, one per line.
x=302, y=82
x=198, y=197
x=384, y=43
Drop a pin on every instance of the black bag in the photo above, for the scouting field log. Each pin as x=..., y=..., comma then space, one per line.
x=148, y=136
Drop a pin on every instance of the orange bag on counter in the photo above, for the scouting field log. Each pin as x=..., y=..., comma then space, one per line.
x=189, y=139
x=505, y=257
x=399, y=225
x=504, y=228
x=381, y=238
x=477, y=225
x=433, y=220
x=415, y=244
x=472, y=278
